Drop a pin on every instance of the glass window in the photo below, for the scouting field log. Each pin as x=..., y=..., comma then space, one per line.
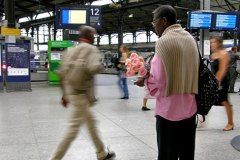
x=104, y=39
x=114, y=39
x=128, y=38
x=153, y=37
x=141, y=37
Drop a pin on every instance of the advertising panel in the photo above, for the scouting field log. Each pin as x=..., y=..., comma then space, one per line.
x=17, y=62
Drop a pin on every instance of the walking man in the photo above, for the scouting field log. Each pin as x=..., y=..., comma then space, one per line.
x=77, y=72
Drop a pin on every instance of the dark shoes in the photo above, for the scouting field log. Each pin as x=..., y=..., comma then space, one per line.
x=110, y=156
x=124, y=98
x=145, y=109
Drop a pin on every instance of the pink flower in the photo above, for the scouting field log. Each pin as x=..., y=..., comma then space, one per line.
x=140, y=65
x=130, y=73
x=135, y=65
x=142, y=71
x=135, y=62
x=134, y=69
x=141, y=59
x=133, y=56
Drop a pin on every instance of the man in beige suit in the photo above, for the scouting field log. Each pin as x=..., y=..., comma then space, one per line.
x=77, y=72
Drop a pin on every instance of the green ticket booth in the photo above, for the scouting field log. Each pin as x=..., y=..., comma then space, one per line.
x=55, y=55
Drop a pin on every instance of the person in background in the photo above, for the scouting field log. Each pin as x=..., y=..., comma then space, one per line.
x=220, y=60
x=82, y=97
x=122, y=81
x=173, y=78
x=146, y=91
x=232, y=68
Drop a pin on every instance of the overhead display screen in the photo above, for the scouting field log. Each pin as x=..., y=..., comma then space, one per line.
x=225, y=21
x=74, y=16
x=199, y=20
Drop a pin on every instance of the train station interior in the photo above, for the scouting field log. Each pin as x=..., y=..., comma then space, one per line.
x=34, y=36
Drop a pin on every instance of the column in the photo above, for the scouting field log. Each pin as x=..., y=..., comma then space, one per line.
x=10, y=17
x=37, y=28
x=109, y=39
x=204, y=34
x=49, y=31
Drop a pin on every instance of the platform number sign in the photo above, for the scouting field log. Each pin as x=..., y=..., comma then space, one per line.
x=95, y=17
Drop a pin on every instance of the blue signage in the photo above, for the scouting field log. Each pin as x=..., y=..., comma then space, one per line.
x=199, y=20
x=17, y=62
x=226, y=21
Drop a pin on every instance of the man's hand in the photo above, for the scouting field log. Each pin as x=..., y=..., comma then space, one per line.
x=140, y=82
x=64, y=101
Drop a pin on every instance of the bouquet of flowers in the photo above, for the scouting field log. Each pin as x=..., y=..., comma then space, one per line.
x=135, y=66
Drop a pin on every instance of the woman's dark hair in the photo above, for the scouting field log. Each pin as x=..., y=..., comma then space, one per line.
x=168, y=12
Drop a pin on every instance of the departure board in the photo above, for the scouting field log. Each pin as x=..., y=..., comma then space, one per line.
x=226, y=21
x=199, y=20
x=73, y=16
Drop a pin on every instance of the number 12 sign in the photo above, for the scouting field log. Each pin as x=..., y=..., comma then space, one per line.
x=95, y=17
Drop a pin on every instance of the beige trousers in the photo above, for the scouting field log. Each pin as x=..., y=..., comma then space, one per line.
x=81, y=115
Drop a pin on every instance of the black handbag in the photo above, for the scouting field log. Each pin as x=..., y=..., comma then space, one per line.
x=208, y=93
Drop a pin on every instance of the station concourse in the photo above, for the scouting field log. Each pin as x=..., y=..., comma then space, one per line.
x=32, y=120
x=32, y=124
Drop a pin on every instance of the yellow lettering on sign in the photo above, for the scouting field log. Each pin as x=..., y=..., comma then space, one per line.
x=10, y=32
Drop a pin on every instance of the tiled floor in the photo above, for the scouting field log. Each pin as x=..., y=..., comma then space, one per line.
x=32, y=123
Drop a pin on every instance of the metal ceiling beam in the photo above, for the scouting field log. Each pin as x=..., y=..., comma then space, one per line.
x=21, y=8
x=136, y=5
x=43, y=2
x=234, y=8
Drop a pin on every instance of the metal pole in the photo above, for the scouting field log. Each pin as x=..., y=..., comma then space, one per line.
x=204, y=34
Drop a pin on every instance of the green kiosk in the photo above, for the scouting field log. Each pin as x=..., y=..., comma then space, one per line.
x=55, y=56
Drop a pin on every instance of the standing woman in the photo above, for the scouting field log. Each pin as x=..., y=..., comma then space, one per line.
x=122, y=82
x=220, y=67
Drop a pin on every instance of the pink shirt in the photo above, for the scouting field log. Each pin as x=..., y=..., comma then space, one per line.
x=174, y=107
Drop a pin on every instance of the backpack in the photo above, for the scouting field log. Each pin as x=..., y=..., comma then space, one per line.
x=208, y=93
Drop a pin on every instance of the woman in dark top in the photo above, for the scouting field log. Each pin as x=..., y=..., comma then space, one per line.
x=220, y=67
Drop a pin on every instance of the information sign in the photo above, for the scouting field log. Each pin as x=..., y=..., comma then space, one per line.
x=17, y=62
x=72, y=16
x=199, y=20
x=226, y=21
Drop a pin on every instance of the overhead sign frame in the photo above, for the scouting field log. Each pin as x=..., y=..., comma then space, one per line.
x=73, y=16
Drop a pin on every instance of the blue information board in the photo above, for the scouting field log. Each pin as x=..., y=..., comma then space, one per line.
x=226, y=21
x=200, y=20
x=17, y=62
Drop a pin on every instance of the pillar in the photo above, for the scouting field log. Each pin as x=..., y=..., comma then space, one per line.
x=204, y=34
